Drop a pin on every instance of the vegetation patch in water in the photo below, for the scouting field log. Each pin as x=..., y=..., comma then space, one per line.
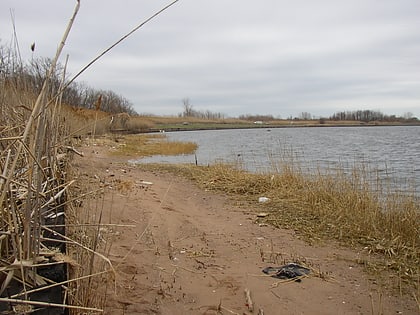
x=148, y=145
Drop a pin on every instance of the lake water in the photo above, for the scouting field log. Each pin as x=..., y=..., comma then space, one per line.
x=392, y=154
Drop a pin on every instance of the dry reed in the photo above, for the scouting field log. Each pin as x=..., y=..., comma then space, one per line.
x=34, y=187
x=150, y=144
x=36, y=197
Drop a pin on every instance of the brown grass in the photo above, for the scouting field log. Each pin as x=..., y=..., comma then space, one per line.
x=151, y=144
x=35, y=148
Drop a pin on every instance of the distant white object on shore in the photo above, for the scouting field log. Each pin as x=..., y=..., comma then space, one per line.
x=263, y=199
x=145, y=183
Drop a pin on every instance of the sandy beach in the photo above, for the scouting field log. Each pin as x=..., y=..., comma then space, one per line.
x=183, y=250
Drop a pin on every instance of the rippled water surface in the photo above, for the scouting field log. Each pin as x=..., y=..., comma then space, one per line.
x=392, y=154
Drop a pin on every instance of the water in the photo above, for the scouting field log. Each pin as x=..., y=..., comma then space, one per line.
x=392, y=154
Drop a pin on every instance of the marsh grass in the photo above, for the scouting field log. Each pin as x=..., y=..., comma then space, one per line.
x=150, y=144
x=328, y=206
x=36, y=145
x=91, y=271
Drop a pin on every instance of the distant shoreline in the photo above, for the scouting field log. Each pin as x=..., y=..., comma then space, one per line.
x=221, y=126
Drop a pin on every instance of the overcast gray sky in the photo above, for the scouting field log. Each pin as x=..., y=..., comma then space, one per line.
x=237, y=57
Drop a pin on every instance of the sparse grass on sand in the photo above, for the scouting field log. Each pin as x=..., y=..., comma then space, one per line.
x=328, y=207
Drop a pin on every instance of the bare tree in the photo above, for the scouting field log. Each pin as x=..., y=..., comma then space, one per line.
x=305, y=116
x=188, y=108
x=408, y=115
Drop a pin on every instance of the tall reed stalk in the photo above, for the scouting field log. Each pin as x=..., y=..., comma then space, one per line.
x=35, y=194
x=33, y=188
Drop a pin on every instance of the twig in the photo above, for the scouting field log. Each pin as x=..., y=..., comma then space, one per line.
x=6, y=164
x=276, y=284
x=59, y=194
x=91, y=224
x=59, y=284
x=6, y=300
x=11, y=138
x=118, y=42
x=82, y=246
x=218, y=309
x=186, y=269
x=28, y=264
x=275, y=294
x=69, y=148
x=416, y=298
x=249, y=302
x=228, y=310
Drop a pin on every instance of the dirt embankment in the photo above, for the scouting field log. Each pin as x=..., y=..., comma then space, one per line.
x=187, y=251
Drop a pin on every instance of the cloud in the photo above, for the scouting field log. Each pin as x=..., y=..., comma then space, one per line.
x=273, y=57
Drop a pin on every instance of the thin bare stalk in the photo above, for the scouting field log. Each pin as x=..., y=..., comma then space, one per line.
x=26, y=302
x=120, y=40
x=37, y=106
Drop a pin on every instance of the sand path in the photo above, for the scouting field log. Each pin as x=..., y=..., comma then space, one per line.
x=188, y=251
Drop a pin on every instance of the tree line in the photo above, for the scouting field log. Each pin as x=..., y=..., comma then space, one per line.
x=370, y=115
x=355, y=115
x=31, y=75
x=189, y=111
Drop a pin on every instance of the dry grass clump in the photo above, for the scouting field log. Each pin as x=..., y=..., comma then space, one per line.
x=151, y=144
x=328, y=206
x=91, y=122
x=91, y=270
x=168, y=120
x=172, y=121
x=82, y=121
x=95, y=122
x=139, y=124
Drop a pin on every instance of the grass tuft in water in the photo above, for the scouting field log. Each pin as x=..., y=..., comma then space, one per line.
x=142, y=145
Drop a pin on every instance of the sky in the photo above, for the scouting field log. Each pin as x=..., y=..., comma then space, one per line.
x=267, y=57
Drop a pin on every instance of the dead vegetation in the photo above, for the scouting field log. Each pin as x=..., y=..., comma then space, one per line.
x=37, y=252
x=141, y=145
x=52, y=256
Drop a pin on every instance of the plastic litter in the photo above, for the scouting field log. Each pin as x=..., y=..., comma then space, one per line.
x=289, y=271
